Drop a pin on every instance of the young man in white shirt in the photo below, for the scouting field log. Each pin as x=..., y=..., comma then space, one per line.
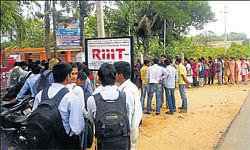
x=169, y=82
x=154, y=77
x=123, y=71
x=109, y=92
x=70, y=106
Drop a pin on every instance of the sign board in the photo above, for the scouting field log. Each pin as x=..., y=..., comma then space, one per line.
x=68, y=35
x=109, y=50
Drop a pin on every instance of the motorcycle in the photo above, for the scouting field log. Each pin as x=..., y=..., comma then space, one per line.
x=14, y=122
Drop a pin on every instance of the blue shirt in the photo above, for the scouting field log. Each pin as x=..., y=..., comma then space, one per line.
x=70, y=109
x=29, y=83
x=87, y=86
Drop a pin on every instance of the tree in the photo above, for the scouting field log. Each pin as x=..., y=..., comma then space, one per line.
x=33, y=36
x=10, y=16
x=80, y=10
x=47, y=28
x=143, y=32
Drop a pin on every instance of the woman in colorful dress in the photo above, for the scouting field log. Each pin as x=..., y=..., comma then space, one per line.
x=211, y=72
x=244, y=70
x=189, y=71
x=231, y=68
x=236, y=71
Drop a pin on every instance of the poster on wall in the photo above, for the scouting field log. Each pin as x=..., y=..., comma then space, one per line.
x=109, y=50
x=16, y=56
x=68, y=35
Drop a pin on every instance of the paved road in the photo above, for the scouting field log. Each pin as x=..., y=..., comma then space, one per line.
x=237, y=137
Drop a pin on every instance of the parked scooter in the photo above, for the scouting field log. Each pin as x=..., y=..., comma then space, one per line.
x=13, y=124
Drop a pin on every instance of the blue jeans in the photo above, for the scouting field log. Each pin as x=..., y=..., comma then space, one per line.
x=155, y=87
x=182, y=88
x=171, y=99
x=145, y=88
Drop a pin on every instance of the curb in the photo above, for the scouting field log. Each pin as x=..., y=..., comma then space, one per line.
x=218, y=146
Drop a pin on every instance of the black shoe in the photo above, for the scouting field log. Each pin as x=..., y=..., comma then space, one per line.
x=170, y=113
x=147, y=113
x=157, y=113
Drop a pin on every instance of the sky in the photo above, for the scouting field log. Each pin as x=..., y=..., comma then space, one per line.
x=237, y=18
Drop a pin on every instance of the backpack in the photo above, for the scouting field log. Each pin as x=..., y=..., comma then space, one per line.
x=44, y=82
x=14, y=76
x=202, y=73
x=111, y=123
x=45, y=128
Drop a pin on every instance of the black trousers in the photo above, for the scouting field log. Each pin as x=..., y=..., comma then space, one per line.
x=195, y=82
x=210, y=79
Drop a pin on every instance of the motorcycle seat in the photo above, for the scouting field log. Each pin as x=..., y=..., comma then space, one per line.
x=13, y=121
x=17, y=119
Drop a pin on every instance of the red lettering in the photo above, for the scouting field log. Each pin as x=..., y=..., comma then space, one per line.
x=113, y=54
x=103, y=53
x=120, y=52
x=108, y=54
x=96, y=53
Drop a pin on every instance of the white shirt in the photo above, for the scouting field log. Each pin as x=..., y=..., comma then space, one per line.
x=79, y=92
x=171, y=77
x=133, y=98
x=111, y=93
x=155, y=73
x=70, y=109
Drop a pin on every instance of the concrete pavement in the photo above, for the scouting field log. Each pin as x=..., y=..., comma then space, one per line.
x=237, y=136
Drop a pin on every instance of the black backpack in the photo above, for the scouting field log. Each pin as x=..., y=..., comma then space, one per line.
x=111, y=123
x=45, y=129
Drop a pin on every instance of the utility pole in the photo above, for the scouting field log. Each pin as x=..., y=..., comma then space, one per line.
x=225, y=12
x=100, y=22
x=164, y=35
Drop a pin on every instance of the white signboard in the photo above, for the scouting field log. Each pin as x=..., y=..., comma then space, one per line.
x=109, y=50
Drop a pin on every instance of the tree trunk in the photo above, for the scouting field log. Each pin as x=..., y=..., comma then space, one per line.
x=54, y=28
x=47, y=29
x=82, y=25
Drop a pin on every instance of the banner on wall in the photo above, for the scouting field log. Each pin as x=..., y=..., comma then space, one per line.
x=68, y=35
x=108, y=50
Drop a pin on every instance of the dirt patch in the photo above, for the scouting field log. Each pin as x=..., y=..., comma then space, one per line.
x=210, y=111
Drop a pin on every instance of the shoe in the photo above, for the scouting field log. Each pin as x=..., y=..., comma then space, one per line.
x=147, y=113
x=180, y=108
x=183, y=111
x=157, y=113
x=170, y=113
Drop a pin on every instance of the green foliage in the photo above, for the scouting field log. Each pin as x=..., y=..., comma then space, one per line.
x=32, y=37
x=10, y=16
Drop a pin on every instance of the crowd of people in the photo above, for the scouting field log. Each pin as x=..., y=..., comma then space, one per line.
x=159, y=77
x=116, y=111
x=68, y=85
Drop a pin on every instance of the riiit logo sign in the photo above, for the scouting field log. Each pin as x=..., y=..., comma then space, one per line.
x=108, y=51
